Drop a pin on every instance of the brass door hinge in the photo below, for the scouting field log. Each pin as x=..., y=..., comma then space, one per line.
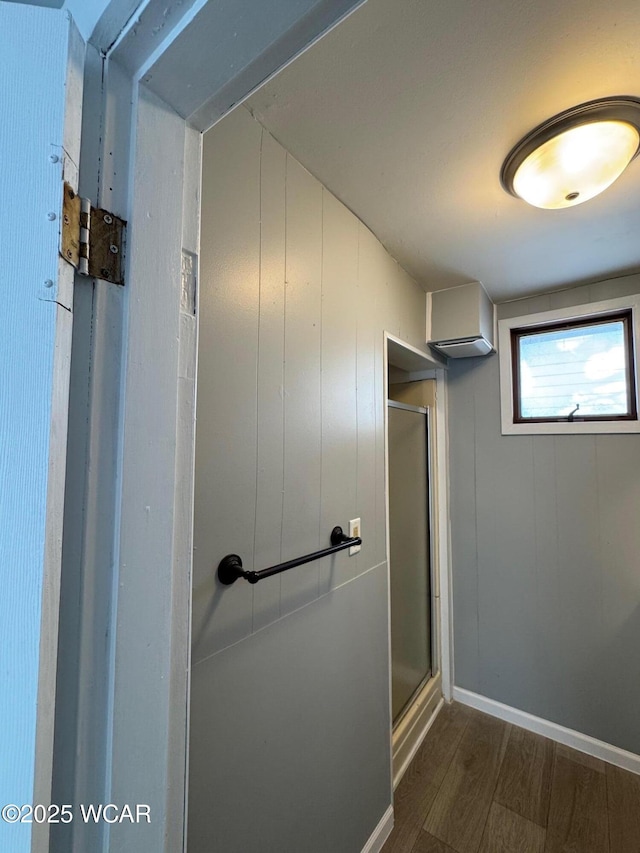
x=92, y=239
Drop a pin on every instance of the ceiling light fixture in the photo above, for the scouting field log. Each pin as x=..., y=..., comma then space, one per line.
x=575, y=155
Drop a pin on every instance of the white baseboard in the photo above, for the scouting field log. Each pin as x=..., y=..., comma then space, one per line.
x=412, y=729
x=380, y=833
x=583, y=743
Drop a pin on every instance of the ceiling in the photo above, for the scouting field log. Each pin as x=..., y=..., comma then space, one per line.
x=407, y=109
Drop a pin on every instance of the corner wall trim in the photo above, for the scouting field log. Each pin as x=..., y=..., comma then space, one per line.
x=583, y=743
x=380, y=833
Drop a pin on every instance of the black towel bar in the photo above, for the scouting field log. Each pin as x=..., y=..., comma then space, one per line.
x=230, y=567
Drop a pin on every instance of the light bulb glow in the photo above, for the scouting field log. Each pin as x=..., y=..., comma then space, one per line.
x=577, y=164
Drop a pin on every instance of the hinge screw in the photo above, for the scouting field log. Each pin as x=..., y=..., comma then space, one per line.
x=105, y=273
x=51, y=216
x=66, y=219
x=113, y=249
x=69, y=253
x=108, y=219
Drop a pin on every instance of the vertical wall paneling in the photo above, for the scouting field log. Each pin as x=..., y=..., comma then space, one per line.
x=464, y=558
x=315, y=291
x=374, y=268
x=381, y=472
x=307, y=708
x=271, y=391
x=302, y=386
x=386, y=318
x=443, y=539
x=579, y=580
x=391, y=283
x=296, y=295
x=549, y=606
x=225, y=490
x=339, y=440
x=505, y=552
x=414, y=310
x=367, y=401
x=618, y=489
x=544, y=554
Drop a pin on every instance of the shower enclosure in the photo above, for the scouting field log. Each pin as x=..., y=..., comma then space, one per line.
x=411, y=664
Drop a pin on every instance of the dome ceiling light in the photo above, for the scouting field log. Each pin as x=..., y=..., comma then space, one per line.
x=575, y=155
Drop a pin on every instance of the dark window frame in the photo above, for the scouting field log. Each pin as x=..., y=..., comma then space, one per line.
x=626, y=316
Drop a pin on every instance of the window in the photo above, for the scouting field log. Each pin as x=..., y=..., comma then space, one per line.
x=571, y=370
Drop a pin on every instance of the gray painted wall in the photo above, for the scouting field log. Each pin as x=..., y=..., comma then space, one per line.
x=290, y=714
x=545, y=544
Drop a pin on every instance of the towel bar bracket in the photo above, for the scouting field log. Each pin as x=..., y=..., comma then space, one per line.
x=230, y=569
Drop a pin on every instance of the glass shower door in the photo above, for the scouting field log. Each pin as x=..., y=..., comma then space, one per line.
x=409, y=554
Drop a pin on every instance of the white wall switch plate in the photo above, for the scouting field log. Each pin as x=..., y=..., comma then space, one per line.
x=355, y=530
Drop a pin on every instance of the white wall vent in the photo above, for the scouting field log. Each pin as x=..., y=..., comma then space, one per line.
x=463, y=347
x=461, y=321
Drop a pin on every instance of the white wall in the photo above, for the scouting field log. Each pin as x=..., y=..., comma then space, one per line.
x=545, y=544
x=290, y=716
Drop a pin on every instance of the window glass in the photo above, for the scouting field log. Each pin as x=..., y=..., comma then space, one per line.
x=574, y=371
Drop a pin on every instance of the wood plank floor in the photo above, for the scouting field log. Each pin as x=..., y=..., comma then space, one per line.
x=478, y=785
